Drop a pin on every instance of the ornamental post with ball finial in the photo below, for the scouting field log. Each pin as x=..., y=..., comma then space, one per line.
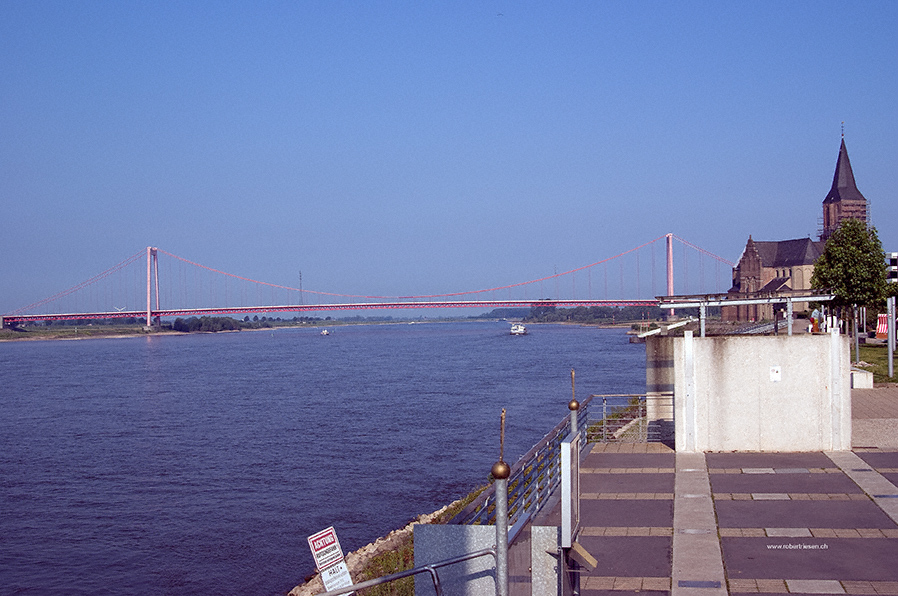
x=501, y=471
x=573, y=405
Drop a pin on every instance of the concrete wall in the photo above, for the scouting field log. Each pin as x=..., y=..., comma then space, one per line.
x=435, y=543
x=659, y=378
x=749, y=393
x=530, y=560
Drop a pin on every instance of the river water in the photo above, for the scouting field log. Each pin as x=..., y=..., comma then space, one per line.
x=199, y=464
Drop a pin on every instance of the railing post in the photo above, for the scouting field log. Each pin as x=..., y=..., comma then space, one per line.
x=501, y=471
x=890, y=309
x=642, y=412
x=604, y=419
x=574, y=406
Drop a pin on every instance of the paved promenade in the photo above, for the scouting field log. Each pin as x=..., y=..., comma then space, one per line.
x=745, y=523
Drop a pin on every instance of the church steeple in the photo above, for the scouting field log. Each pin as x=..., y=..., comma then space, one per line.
x=844, y=200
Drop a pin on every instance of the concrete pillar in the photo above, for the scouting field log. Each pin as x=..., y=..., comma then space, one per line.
x=835, y=394
x=789, y=314
x=689, y=422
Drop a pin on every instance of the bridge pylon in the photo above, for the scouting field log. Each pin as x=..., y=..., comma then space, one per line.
x=670, y=274
x=152, y=272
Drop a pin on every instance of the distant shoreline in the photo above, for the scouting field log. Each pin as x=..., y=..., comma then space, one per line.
x=90, y=332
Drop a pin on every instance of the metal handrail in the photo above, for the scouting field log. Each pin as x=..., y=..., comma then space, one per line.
x=533, y=480
x=598, y=429
x=431, y=569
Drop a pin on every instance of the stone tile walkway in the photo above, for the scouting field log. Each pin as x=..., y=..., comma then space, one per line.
x=874, y=414
x=739, y=523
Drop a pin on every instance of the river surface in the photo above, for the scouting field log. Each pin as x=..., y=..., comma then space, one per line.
x=199, y=464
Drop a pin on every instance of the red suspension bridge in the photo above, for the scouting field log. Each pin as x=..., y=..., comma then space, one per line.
x=134, y=288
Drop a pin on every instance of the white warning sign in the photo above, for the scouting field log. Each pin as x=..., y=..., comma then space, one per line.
x=329, y=559
x=325, y=548
x=336, y=576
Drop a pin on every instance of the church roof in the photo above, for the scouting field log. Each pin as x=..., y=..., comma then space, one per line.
x=844, y=188
x=789, y=253
x=777, y=284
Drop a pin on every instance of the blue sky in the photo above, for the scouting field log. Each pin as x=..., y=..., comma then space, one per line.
x=422, y=147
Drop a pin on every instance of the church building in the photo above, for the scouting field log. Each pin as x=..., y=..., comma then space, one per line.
x=768, y=267
x=844, y=200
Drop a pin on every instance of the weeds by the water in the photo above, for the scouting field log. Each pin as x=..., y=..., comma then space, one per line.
x=402, y=557
x=394, y=561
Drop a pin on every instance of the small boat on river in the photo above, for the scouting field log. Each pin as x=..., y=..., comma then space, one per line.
x=325, y=332
x=518, y=329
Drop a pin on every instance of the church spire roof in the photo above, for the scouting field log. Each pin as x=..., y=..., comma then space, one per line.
x=844, y=187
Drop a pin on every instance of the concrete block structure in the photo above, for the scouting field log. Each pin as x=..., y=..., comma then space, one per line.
x=755, y=393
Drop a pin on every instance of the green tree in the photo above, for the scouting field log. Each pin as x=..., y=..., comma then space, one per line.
x=852, y=266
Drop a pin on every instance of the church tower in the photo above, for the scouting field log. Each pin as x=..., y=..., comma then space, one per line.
x=844, y=200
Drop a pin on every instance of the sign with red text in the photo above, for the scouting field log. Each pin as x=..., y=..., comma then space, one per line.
x=329, y=559
x=325, y=548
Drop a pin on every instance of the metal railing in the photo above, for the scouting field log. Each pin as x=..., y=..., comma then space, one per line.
x=431, y=569
x=630, y=418
x=533, y=480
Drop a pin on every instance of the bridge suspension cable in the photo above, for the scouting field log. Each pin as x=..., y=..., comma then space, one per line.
x=80, y=286
x=452, y=294
x=201, y=300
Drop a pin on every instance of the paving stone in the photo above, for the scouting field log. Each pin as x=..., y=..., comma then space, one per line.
x=624, y=483
x=589, y=592
x=850, y=559
x=859, y=587
x=629, y=460
x=873, y=483
x=879, y=459
x=626, y=513
x=770, y=496
x=814, y=586
x=783, y=483
x=627, y=583
x=801, y=514
x=768, y=460
x=789, y=532
x=634, y=556
x=698, y=583
x=771, y=585
x=656, y=583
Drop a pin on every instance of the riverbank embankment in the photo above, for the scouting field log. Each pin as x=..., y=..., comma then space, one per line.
x=362, y=562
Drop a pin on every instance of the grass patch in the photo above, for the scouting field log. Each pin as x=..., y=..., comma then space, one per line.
x=877, y=355
x=394, y=561
x=73, y=332
x=402, y=557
